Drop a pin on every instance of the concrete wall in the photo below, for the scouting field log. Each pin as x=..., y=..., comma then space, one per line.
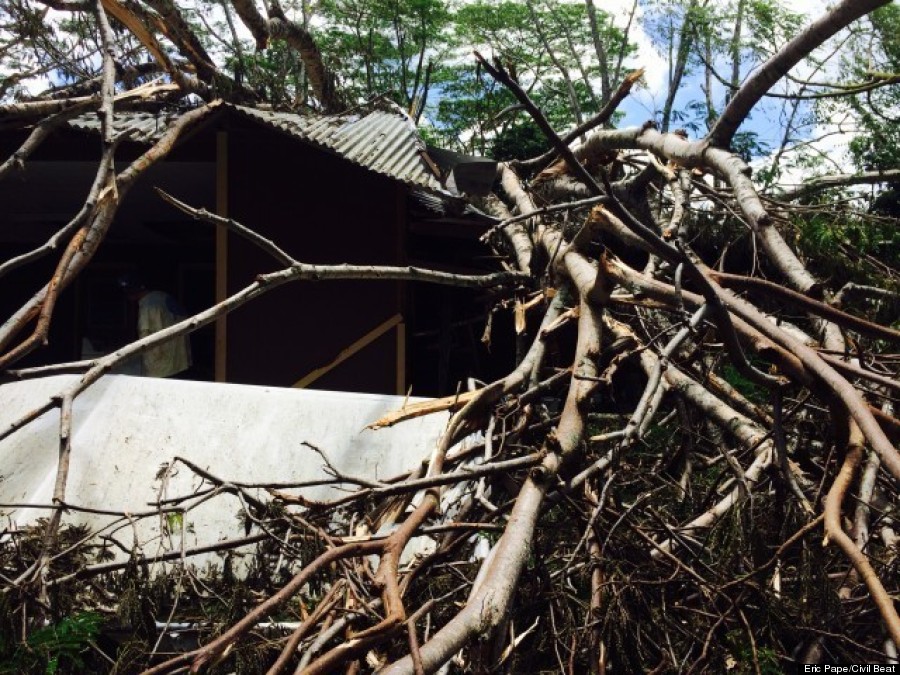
x=128, y=432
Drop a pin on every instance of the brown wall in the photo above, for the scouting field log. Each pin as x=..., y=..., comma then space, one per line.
x=170, y=251
x=321, y=209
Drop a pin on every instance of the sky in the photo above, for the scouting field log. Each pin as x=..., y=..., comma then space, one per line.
x=640, y=106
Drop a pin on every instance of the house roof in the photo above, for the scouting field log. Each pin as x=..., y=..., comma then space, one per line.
x=379, y=137
x=430, y=207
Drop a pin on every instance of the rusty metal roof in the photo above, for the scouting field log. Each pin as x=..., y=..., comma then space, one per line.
x=381, y=138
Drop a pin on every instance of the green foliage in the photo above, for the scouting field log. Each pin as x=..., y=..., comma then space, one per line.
x=750, y=390
x=743, y=652
x=772, y=22
x=520, y=141
x=275, y=73
x=877, y=146
x=748, y=145
x=719, y=42
x=384, y=46
x=468, y=101
x=57, y=648
x=547, y=47
x=878, y=111
x=865, y=235
x=854, y=237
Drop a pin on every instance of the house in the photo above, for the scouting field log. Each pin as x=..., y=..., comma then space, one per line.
x=359, y=187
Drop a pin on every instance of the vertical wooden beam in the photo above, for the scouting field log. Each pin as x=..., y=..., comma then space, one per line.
x=401, y=256
x=401, y=358
x=221, y=349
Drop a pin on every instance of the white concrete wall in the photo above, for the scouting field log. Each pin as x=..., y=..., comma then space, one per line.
x=127, y=429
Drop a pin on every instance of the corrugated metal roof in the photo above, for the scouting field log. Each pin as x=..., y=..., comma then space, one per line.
x=437, y=208
x=143, y=127
x=381, y=138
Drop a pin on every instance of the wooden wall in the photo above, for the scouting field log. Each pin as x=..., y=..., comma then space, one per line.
x=320, y=209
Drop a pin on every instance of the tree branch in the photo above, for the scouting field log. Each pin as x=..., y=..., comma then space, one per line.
x=842, y=15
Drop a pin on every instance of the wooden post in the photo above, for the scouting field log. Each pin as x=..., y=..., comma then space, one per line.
x=401, y=358
x=402, y=290
x=221, y=350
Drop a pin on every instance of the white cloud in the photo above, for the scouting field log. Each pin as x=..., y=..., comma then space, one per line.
x=656, y=68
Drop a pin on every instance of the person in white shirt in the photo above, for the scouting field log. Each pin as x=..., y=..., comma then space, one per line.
x=158, y=310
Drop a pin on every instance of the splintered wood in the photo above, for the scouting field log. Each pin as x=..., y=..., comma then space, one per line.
x=451, y=403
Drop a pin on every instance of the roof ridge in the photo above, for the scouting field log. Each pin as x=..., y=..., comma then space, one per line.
x=377, y=135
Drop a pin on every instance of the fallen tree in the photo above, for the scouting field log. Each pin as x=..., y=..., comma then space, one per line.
x=737, y=513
